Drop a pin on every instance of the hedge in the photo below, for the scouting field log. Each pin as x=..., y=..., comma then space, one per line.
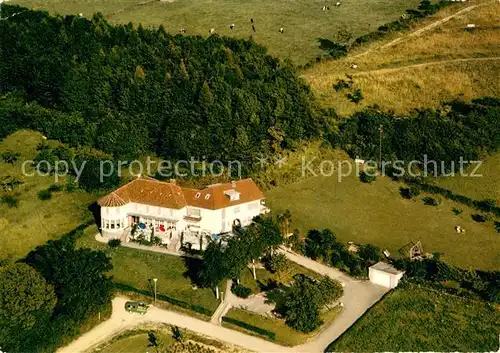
x=173, y=301
x=481, y=205
x=269, y=334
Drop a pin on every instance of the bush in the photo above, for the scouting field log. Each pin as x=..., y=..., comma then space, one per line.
x=55, y=188
x=430, y=201
x=114, y=243
x=10, y=201
x=340, y=85
x=240, y=290
x=275, y=262
x=497, y=226
x=45, y=195
x=271, y=335
x=356, y=96
x=481, y=218
x=71, y=186
x=457, y=211
x=367, y=177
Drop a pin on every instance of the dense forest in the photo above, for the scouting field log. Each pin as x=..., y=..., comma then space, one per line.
x=126, y=90
x=458, y=130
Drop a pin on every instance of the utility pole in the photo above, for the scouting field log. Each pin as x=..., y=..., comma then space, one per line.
x=381, y=132
x=155, y=280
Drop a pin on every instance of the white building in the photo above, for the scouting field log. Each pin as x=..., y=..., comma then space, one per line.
x=384, y=275
x=175, y=214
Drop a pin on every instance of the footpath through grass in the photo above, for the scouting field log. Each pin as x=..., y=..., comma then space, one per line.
x=417, y=319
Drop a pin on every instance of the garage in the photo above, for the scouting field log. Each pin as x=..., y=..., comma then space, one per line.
x=384, y=274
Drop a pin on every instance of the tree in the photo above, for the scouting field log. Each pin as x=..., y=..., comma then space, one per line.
x=369, y=253
x=276, y=263
x=214, y=269
x=78, y=276
x=301, y=305
x=319, y=244
x=26, y=302
x=10, y=156
x=25, y=296
x=285, y=220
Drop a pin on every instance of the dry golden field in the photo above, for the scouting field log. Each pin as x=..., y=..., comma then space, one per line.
x=408, y=71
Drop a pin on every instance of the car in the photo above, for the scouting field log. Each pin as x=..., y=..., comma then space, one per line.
x=136, y=307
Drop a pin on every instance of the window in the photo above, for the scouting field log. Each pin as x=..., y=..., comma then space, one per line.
x=194, y=212
x=198, y=194
x=207, y=196
x=112, y=224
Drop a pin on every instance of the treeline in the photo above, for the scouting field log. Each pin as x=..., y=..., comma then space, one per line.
x=445, y=277
x=457, y=132
x=50, y=295
x=126, y=90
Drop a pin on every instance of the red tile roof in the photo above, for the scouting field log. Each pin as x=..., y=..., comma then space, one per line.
x=169, y=195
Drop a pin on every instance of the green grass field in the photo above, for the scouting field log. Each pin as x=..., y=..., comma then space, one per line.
x=303, y=21
x=419, y=320
x=485, y=186
x=34, y=221
x=377, y=214
x=135, y=342
x=137, y=268
x=285, y=335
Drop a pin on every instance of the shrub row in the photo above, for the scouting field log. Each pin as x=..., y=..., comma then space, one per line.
x=269, y=334
x=488, y=205
x=173, y=301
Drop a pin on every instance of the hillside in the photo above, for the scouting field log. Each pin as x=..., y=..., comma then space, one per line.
x=127, y=90
x=418, y=319
x=303, y=20
x=431, y=63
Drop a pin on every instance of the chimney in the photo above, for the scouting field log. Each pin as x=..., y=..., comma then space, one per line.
x=172, y=181
x=233, y=184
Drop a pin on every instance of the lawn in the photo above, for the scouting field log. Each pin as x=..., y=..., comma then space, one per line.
x=285, y=335
x=377, y=214
x=303, y=20
x=136, y=268
x=264, y=277
x=403, y=88
x=485, y=186
x=34, y=221
x=136, y=341
x=419, y=320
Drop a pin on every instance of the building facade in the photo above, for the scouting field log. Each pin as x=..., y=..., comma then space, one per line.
x=177, y=216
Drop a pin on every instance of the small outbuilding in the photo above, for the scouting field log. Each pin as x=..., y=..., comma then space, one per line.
x=384, y=274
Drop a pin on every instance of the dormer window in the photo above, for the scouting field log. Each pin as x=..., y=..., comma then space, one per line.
x=233, y=194
x=207, y=196
x=197, y=196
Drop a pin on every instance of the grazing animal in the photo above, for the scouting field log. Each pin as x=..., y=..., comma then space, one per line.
x=337, y=3
x=328, y=7
x=253, y=28
x=251, y=20
x=232, y=26
x=182, y=30
x=323, y=8
x=211, y=31
x=353, y=66
x=282, y=30
x=80, y=14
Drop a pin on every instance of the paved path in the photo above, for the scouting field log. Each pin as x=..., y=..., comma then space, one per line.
x=122, y=320
x=358, y=297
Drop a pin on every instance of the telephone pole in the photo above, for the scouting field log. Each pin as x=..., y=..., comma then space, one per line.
x=381, y=132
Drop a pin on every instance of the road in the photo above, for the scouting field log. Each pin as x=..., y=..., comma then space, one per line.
x=359, y=296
